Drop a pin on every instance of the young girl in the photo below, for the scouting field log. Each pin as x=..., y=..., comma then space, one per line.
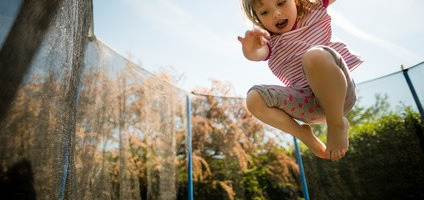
x=295, y=37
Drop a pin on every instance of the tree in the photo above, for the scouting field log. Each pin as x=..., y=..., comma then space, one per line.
x=232, y=153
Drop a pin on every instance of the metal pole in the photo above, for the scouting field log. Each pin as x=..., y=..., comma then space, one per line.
x=302, y=171
x=414, y=94
x=190, y=151
x=65, y=171
x=417, y=101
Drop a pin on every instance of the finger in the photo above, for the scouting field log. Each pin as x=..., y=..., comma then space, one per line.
x=251, y=31
x=266, y=34
x=264, y=41
x=241, y=39
x=262, y=32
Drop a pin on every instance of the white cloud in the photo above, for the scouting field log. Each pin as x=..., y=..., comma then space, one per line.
x=397, y=50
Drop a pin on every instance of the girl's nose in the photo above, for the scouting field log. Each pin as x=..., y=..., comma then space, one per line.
x=277, y=13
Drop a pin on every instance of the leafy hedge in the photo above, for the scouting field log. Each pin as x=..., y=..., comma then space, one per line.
x=385, y=161
x=263, y=180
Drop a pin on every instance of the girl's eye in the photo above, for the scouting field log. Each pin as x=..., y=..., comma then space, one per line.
x=281, y=3
x=264, y=12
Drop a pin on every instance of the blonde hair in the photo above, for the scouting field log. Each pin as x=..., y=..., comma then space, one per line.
x=249, y=12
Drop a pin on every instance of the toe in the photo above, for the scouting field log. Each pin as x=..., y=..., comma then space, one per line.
x=336, y=155
x=333, y=156
x=343, y=153
x=327, y=154
x=339, y=155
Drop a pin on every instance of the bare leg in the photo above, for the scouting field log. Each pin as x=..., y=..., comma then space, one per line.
x=328, y=83
x=279, y=119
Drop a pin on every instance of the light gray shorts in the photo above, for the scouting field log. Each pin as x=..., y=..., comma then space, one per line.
x=301, y=103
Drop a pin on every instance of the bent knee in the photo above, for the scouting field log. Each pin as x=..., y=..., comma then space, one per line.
x=254, y=101
x=315, y=58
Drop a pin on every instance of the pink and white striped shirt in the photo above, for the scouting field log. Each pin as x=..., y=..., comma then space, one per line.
x=287, y=49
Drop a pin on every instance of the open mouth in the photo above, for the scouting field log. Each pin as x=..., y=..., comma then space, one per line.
x=281, y=24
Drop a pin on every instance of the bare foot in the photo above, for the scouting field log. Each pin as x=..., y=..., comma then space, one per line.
x=337, y=140
x=314, y=144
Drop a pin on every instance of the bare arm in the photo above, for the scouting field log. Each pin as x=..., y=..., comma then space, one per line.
x=331, y=1
x=254, y=44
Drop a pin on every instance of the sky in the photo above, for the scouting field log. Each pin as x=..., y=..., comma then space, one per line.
x=198, y=39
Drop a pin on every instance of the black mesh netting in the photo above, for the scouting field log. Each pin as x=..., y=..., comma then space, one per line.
x=77, y=120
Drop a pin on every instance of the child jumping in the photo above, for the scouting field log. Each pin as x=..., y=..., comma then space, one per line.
x=294, y=36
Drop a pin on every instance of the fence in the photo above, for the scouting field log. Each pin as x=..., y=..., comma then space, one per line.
x=79, y=121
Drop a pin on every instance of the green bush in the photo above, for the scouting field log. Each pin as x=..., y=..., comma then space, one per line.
x=385, y=161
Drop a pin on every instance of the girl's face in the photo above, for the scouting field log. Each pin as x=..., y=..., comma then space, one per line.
x=277, y=16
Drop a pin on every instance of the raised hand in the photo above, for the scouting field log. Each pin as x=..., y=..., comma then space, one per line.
x=254, y=44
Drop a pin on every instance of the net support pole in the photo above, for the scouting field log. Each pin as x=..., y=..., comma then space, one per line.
x=189, y=152
x=417, y=102
x=301, y=170
x=414, y=93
